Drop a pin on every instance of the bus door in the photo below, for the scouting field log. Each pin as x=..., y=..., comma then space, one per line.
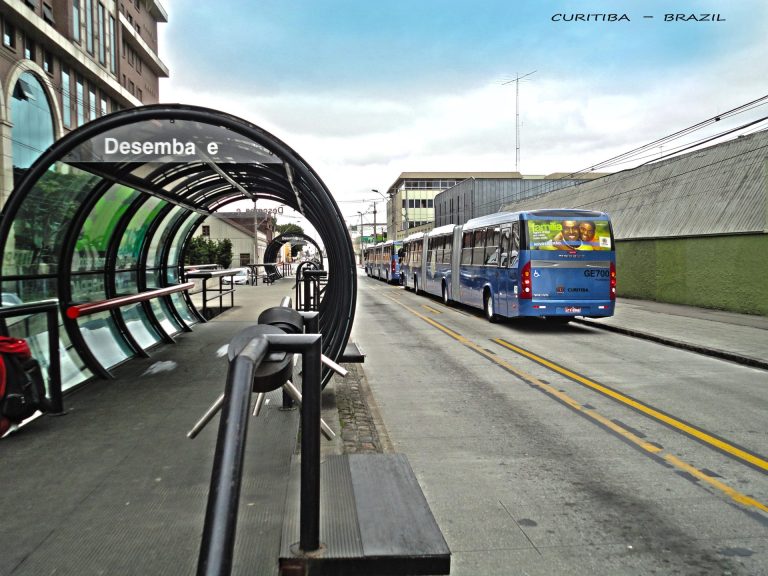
x=507, y=270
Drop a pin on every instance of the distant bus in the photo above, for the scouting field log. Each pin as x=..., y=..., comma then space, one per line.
x=386, y=261
x=368, y=259
x=412, y=260
x=551, y=263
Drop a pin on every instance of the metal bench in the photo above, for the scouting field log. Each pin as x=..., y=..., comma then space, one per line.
x=375, y=520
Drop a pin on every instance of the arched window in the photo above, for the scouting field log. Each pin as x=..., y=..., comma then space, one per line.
x=32, y=121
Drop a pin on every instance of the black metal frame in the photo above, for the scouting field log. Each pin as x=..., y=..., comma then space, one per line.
x=289, y=180
x=218, y=540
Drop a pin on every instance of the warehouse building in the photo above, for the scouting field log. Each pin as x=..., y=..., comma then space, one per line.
x=692, y=229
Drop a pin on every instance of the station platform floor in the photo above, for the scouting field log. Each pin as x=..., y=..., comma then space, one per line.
x=114, y=486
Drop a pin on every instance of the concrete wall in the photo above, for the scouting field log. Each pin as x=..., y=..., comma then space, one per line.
x=721, y=272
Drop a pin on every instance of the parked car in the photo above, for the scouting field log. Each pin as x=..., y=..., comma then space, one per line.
x=243, y=276
x=11, y=299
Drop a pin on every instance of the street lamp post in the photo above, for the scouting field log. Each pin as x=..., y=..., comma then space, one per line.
x=375, y=237
x=360, y=233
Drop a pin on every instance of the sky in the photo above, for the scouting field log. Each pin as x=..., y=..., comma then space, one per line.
x=364, y=90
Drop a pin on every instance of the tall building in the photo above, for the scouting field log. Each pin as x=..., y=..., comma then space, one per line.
x=410, y=207
x=65, y=62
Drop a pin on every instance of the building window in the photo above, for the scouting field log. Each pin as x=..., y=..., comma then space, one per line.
x=245, y=258
x=29, y=48
x=206, y=230
x=100, y=24
x=66, y=100
x=9, y=35
x=112, y=45
x=32, y=130
x=48, y=61
x=76, y=20
x=104, y=105
x=48, y=14
x=139, y=94
x=89, y=25
x=80, y=102
x=91, y=104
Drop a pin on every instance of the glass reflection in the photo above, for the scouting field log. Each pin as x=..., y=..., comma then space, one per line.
x=104, y=339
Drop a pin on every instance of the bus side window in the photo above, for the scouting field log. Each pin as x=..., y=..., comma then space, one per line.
x=466, y=248
x=478, y=247
x=515, y=237
x=492, y=241
x=505, y=240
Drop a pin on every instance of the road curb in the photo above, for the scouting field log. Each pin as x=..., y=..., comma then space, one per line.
x=697, y=348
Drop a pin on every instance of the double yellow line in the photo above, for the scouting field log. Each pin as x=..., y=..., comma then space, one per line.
x=592, y=414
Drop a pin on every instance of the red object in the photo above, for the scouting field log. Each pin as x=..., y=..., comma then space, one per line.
x=77, y=310
x=526, y=290
x=613, y=281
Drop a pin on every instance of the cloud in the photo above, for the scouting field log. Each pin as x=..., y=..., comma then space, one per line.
x=572, y=116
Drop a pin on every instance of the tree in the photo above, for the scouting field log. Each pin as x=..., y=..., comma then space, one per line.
x=224, y=252
x=291, y=229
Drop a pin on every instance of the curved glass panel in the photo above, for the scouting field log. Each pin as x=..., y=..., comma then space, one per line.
x=104, y=339
x=99, y=227
x=183, y=309
x=127, y=282
x=41, y=224
x=135, y=234
x=174, y=256
x=88, y=287
x=139, y=325
x=32, y=131
x=162, y=236
x=163, y=316
x=34, y=329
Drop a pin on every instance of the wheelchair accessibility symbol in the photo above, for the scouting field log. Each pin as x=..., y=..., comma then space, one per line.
x=536, y=274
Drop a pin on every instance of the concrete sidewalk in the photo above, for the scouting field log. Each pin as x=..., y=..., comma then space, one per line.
x=740, y=338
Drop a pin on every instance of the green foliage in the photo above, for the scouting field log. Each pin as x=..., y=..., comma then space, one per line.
x=224, y=252
x=202, y=250
x=289, y=228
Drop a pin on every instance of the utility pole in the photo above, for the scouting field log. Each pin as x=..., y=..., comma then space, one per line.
x=375, y=235
x=360, y=235
x=255, y=234
x=517, y=115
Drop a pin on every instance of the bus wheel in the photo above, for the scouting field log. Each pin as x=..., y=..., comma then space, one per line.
x=446, y=301
x=415, y=285
x=488, y=307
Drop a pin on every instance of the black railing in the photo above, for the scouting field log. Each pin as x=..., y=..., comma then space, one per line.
x=218, y=292
x=50, y=308
x=310, y=286
x=218, y=541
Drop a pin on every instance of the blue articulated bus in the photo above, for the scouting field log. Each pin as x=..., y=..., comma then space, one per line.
x=555, y=264
x=386, y=261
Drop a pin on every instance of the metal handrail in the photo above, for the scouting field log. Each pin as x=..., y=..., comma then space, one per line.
x=218, y=541
x=76, y=310
x=51, y=309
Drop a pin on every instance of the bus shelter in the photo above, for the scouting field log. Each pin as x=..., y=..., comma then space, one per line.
x=107, y=211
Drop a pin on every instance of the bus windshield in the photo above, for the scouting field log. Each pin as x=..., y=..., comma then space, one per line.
x=569, y=234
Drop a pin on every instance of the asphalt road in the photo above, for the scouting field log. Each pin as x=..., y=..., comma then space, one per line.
x=567, y=449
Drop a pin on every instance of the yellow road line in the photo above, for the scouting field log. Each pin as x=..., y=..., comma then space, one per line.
x=722, y=445
x=591, y=413
x=431, y=309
